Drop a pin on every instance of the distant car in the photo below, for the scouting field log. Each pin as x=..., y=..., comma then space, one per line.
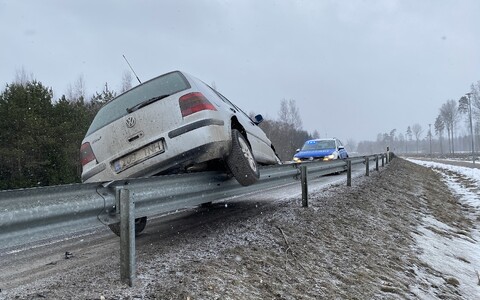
x=173, y=123
x=321, y=149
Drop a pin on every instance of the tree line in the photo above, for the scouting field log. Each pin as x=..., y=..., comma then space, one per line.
x=446, y=135
x=41, y=136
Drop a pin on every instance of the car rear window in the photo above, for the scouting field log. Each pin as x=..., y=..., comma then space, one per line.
x=167, y=84
x=319, y=145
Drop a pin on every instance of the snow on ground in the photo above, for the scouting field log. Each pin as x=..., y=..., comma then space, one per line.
x=446, y=249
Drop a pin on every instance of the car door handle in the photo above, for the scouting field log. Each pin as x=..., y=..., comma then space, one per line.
x=234, y=111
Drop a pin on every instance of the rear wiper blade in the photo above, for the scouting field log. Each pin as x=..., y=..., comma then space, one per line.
x=145, y=103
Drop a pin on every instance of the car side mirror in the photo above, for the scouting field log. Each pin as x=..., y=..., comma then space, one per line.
x=341, y=147
x=298, y=150
x=258, y=119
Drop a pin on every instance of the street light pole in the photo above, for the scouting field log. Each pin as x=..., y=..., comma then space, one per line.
x=471, y=125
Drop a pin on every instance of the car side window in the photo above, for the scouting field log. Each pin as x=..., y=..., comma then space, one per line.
x=225, y=99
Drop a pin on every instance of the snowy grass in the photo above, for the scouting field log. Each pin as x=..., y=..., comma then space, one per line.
x=456, y=257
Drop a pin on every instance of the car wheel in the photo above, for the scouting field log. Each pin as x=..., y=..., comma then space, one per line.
x=241, y=162
x=140, y=224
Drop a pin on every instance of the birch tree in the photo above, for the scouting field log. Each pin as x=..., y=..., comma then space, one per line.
x=417, y=131
x=450, y=116
x=439, y=128
x=409, y=137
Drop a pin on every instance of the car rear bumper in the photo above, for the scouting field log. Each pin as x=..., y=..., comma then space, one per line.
x=205, y=140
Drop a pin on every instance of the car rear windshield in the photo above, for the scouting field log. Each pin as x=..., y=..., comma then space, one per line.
x=319, y=145
x=167, y=84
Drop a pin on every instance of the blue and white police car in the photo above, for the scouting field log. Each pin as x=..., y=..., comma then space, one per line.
x=321, y=149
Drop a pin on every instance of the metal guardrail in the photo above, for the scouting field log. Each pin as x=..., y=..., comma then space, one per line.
x=29, y=215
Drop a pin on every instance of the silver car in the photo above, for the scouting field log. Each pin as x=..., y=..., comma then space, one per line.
x=173, y=123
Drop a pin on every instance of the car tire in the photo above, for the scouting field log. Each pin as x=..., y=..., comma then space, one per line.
x=241, y=161
x=140, y=224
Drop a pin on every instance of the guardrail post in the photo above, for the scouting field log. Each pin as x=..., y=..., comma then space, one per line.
x=367, y=166
x=349, y=172
x=303, y=172
x=127, y=238
x=376, y=162
x=383, y=162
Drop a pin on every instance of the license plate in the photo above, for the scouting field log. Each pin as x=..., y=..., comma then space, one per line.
x=138, y=156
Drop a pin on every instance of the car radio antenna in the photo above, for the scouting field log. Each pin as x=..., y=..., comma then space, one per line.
x=132, y=69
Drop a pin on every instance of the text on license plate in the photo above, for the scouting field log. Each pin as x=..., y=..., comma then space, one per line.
x=138, y=156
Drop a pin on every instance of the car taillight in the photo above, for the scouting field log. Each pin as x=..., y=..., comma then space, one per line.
x=194, y=102
x=86, y=154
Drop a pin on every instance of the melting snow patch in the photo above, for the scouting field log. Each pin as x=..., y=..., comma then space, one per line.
x=450, y=255
x=456, y=257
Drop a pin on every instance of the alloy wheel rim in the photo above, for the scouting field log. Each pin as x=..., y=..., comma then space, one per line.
x=248, y=154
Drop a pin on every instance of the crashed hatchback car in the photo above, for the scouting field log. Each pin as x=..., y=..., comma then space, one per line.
x=321, y=149
x=173, y=123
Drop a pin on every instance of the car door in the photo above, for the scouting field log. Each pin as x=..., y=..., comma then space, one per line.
x=261, y=145
x=342, y=153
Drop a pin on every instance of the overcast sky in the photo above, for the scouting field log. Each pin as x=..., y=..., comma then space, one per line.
x=355, y=68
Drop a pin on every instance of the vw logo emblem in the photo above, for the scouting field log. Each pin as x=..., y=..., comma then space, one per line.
x=131, y=122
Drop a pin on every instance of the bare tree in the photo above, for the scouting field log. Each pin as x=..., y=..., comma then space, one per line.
x=283, y=112
x=439, y=128
x=475, y=100
x=126, y=81
x=296, y=120
x=392, y=138
x=417, y=132
x=286, y=133
x=76, y=93
x=444, y=116
x=22, y=78
x=409, y=137
x=401, y=140
x=351, y=145
x=450, y=116
x=475, y=97
x=290, y=114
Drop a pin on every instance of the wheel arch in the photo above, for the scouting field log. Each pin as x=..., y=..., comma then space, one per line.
x=235, y=124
